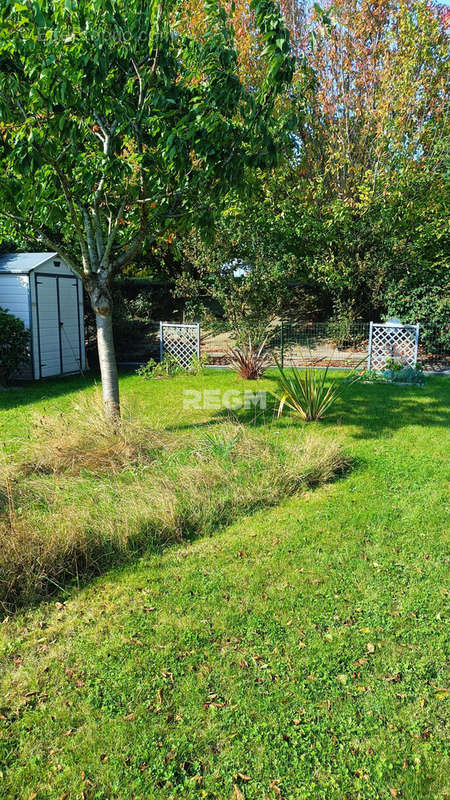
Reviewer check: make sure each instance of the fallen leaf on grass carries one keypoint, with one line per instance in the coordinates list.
(244, 777)
(394, 678)
(237, 793)
(129, 717)
(370, 647)
(393, 791)
(273, 785)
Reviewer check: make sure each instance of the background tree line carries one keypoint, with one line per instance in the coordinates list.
(353, 220)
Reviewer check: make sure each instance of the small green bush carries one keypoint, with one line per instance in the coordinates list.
(167, 368)
(14, 341)
(341, 326)
(393, 365)
(371, 376)
(404, 375)
(170, 366)
(197, 364)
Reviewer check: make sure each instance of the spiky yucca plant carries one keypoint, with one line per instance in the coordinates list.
(305, 391)
(250, 361)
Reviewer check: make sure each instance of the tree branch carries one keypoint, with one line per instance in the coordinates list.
(94, 262)
(111, 236)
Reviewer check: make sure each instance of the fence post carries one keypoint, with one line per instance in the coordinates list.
(198, 340)
(416, 345)
(369, 361)
(282, 345)
(161, 346)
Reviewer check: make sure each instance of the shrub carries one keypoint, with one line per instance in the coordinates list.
(404, 375)
(249, 361)
(341, 327)
(14, 341)
(371, 376)
(393, 365)
(197, 364)
(430, 306)
(167, 368)
(306, 393)
(170, 366)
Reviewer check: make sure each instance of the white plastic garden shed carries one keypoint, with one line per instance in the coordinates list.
(47, 296)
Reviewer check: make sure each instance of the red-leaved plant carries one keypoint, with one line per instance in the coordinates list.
(250, 361)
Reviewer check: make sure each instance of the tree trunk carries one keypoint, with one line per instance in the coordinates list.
(108, 365)
(98, 286)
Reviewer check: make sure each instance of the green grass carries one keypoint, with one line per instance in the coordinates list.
(301, 650)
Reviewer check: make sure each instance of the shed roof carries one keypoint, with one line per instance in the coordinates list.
(23, 262)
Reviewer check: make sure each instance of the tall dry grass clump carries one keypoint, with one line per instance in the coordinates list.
(59, 525)
(83, 439)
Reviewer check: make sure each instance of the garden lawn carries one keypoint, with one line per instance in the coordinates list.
(298, 653)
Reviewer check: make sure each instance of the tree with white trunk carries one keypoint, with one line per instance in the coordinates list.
(117, 123)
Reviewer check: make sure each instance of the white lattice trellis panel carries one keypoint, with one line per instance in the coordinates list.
(181, 341)
(392, 340)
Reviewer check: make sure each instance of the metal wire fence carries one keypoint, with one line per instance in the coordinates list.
(334, 344)
(331, 344)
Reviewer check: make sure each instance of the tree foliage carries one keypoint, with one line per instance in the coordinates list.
(358, 207)
(118, 123)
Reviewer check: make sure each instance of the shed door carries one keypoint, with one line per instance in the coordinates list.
(58, 324)
(70, 324)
